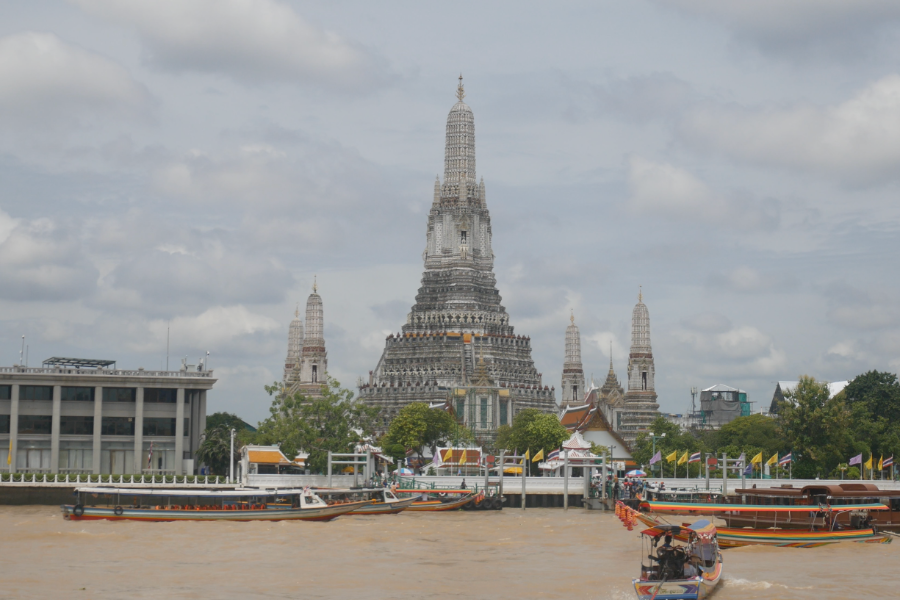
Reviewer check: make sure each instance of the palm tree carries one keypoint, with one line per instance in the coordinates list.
(215, 450)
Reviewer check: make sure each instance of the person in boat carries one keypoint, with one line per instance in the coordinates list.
(667, 544)
(689, 569)
(462, 486)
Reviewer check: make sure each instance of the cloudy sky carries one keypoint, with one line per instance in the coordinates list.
(196, 163)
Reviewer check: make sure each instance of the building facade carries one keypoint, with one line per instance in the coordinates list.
(78, 416)
(457, 319)
(640, 408)
(573, 372)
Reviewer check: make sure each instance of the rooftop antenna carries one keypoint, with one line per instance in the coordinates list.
(26, 355)
(693, 405)
(167, 345)
(22, 352)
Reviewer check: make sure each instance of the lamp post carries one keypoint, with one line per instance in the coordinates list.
(654, 436)
(231, 460)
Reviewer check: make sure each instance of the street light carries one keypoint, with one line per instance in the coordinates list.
(653, 436)
(231, 459)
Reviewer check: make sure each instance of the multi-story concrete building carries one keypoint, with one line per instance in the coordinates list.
(87, 416)
(457, 333)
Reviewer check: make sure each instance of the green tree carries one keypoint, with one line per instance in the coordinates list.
(874, 402)
(215, 449)
(533, 430)
(227, 420)
(814, 426)
(417, 426)
(334, 422)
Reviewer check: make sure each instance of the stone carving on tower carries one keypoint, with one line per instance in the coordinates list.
(611, 396)
(457, 319)
(295, 344)
(313, 358)
(573, 372)
(640, 400)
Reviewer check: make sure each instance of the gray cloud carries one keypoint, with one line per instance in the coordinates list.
(251, 41)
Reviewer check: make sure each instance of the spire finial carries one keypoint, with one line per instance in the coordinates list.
(315, 285)
(297, 311)
(460, 91)
(610, 355)
(572, 316)
(640, 293)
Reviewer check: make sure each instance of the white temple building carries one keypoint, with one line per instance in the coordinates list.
(307, 362)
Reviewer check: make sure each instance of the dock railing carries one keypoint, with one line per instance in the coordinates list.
(86, 480)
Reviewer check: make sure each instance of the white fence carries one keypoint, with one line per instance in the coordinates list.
(67, 480)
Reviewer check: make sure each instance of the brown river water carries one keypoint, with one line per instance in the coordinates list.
(536, 553)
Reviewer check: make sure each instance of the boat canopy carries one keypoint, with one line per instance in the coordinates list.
(704, 507)
(243, 493)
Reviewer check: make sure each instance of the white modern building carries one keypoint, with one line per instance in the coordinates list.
(87, 416)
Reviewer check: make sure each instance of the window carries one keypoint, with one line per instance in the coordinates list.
(460, 409)
(76, 457)
(4, 423)
(575, 392)
(117, 425)
(187, 426)
(484, 412)
(159, 426)
(118, 394)
(5, 392)
(71, 425)
(503, 413)
(160, 395)
(35, 392)
(35, 423)
(462, 237)
(315, 373)
(77, 394)
(644, 380)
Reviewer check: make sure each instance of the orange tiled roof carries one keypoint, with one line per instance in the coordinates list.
(268, 457)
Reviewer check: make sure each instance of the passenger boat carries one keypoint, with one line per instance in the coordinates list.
(671, 572)
(142, 504)
(731, 537)
(385, 503)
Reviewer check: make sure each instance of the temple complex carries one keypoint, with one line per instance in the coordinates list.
(458, 342)
(307, 362)
(573, 373)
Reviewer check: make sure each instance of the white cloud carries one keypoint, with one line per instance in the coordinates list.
(46, 81)
(251, 41)
(216, 328)
(603, 340)
(857, 140)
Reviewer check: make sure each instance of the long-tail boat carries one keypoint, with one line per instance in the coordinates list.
(385, 503)
(441, 504)
(730, 537)
(672, 572)
(142, 504)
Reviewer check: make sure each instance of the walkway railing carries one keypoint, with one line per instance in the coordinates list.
(81, 480)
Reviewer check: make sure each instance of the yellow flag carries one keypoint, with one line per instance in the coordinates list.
(683, 459)
(881, 463)
(539, 455)
(773, 460)
(868, 464)
(462, 458)
(756, 460)
(528, 454)
(672, 457)
(9, 456)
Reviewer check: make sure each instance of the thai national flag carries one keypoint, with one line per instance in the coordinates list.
(553, 455)
(888, 462)
(785, 459)
(695, 457)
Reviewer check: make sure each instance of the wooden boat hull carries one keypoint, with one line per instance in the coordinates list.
(883, 520)
(696, 588)
(439, 506)
(317, 513)
(384, 508)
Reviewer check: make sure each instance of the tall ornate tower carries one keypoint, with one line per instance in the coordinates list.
(313, 358)
(295, 344)
(457, 318)
(573, 373)
(640, 399)
(611, 397)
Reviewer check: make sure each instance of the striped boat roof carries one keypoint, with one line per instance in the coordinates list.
(705, 507)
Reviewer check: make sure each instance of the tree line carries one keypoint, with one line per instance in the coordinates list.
(822, 432)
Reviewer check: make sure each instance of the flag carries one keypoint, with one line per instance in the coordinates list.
(528, 454)
(683, 459)
(539, 455)
(462, 458)
(672, 457)
(150, 457)
(554, 454)
(438, 459)
(756, 460)
(785, 459)
(749, 470)
(656, 457)
(881, 463)
(742, 459)
(695, 457)
(856, 460)
(9, 456)
(773, 460)
(868, 464)
(888, 462)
